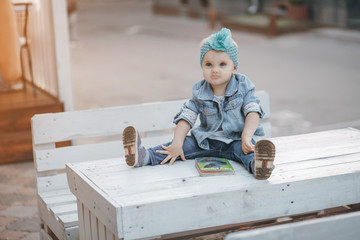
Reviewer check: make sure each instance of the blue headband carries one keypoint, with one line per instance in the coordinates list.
(221, 41)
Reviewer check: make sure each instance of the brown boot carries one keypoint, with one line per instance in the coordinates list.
(134, 152)
(264, 159)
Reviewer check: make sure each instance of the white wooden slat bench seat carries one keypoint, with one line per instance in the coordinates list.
(338, 227)
(95, 134)
(313, 172)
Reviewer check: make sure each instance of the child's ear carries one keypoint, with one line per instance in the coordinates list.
(234, 70)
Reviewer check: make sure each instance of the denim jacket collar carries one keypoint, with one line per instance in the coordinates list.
(206, 92)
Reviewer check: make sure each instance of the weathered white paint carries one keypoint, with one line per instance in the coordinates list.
(345, 226)
(58, 127)
(177, 194)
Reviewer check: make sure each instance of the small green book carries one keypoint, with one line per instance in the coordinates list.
(212, 166)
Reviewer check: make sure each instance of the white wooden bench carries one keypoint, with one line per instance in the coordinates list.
(313, 172)
(95, 134)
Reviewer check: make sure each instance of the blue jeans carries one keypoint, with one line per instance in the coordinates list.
(191, 150)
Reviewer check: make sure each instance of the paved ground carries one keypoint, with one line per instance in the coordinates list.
(126, 55)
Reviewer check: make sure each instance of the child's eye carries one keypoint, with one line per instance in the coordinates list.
(222, 64)
(208, 64)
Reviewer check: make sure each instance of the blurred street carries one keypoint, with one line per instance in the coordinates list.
(127, 55)
(123, 54)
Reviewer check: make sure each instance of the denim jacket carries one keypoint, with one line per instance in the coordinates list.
(239, 101)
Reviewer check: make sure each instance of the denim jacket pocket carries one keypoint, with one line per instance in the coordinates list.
(233, 108)
(208, 114)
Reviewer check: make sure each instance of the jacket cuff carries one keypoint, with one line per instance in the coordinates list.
(187, 115)
(253, 107)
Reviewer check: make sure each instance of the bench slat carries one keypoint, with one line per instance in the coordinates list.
(345, 226)
(316, 145)
(103, 122)
(69, 219)
(58, 127)
(64, 209)
(60, 199)
(57, 192)
(55, 159)
(315, 139)
(52, 183)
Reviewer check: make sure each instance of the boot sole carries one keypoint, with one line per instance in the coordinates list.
(264, 159)
(130, 146)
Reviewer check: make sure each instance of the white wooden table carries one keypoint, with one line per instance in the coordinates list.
(313, 172)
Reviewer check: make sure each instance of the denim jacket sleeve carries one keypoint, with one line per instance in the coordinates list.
(251, 102)
(188, 112)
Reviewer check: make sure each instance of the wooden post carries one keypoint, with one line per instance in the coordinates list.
(62, 52)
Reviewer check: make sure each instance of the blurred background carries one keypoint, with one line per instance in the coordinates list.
(81, 54)
(64, 55)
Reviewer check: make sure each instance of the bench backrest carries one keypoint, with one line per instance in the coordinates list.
(96, 134)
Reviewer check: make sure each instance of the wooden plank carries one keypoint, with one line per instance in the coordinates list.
(94, 227)
(249, 203)
(64, 209)
(72, 233)
(345, 226)
(317, 162)
(87, 224)
(100, 122)
(81, 220)
(51, 183)
(313, 173)
(316, 145)
(56, 227)
(102, 230)
(315, 139)
(44, 235)
(69, 219)
(55, 193)
(55, 159)
(59, 199)
(110, 235)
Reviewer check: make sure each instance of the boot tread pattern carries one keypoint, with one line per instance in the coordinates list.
(264, 158)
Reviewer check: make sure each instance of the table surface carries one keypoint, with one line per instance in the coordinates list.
(151, 193)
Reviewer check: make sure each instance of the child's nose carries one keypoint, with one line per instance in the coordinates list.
(215, 69)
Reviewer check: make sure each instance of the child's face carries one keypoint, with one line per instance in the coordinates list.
(217, 69)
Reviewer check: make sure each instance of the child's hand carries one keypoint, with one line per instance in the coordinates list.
(246, 145)
(172, 152)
